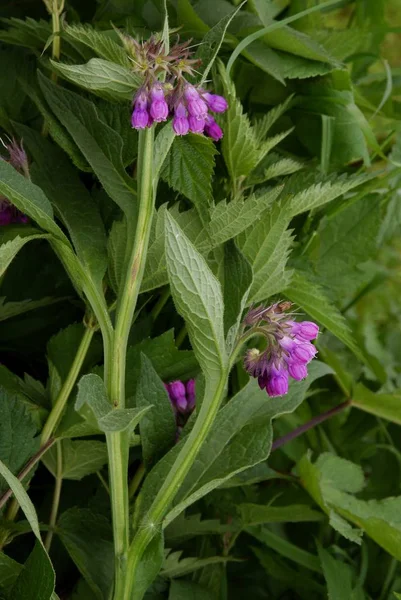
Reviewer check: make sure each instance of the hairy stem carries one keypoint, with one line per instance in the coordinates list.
(118, 443)
(288, 437)
(171, 485)
(56, 496)
(60, 404)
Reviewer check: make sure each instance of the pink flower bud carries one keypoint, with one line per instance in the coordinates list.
(278, 382)
(216, 103)
(158, 105)
(140, 118)
(196, 106)
(297, 370)
(212, 129)
(196, 125)
(180, 121)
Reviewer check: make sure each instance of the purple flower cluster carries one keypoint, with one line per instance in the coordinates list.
(187, 105)
(288, 352)
(17, 158)
(182, 396)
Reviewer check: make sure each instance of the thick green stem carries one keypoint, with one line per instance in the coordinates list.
(118, 443)
(153, 519)
(59, 406)
(56, 496)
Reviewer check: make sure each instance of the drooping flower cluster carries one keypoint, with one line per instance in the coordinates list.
(288, 350)
(18, 159)
(156, 100)
(182, 396)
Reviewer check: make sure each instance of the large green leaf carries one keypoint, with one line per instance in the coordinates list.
(266, 245)
(71, 200)
(9, 571)
(312, 299)
(259, 514)
(386, 406)
(107, 79)
(17, 434)
(197, 295)
(241, 437)
(237, 282)
(157, 427)
(100, 41)
(99, 143)
(26, 587)
(187, 590)
(88, 539)
(227, 220)
(188, 169)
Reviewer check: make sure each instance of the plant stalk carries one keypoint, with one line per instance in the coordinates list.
(118, 442)
(175, 478)
(59, 406)
(56, 496)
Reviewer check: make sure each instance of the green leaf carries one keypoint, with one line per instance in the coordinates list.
(92, 403)
(9, 571)
(36, 580)
(88, 540)
(38, 561)
(162, 146)
(240, 438)
(187, 590)
(266, 245)
(285, 548)
(99, 143)
(385, 406)
(197, 295)
(17, 433)
(263, 125)
(149, 566)
(29, 199)
(71, 200)
(168, 362)
(175, 566)
(116, 248)
(227, 220)
(211, 43)
(271, 167)
(237, 282)
(8, 310)
(321, 193)
(158, 426)
(99, 41)
(188, 526)
(107, 79)
(188, 169)
(10, 249)
(259, 514)
(347, 240)
(240, 146)
(80, 458)
(312, 299)
(338, 576)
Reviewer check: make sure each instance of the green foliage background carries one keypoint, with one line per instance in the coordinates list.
(299, 201)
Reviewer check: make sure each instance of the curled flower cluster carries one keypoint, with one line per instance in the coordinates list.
(17, 158)
(182, 396)
(289, 348)
(188, 106)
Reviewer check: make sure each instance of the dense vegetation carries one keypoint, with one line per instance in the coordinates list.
(149, 273)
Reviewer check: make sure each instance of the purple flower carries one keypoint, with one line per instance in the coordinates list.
(140, 116)
(216, 103)
(212, 129)
(196, 125)
(288, 352)
(196, 106)
(180, 121)
(182, 396)
(158, 105)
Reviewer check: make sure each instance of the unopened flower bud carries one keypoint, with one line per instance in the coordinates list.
(216, 103)
(180, 121)
(212, 129)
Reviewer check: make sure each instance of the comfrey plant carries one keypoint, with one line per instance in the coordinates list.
(201, 262)
(155, 101)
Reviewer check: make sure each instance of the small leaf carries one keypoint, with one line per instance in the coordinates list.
(256, 514)
(158, 426)
(107, 79)
(198, 298)
(237, 282)
(175, 566)
(99, 41)
(187, 590)
(337, 574)
(80, 458)
(386, 406)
